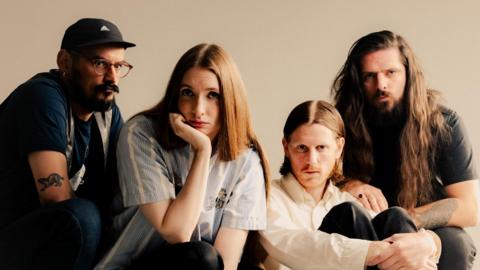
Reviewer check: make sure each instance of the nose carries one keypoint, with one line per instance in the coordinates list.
(382, 82)
(199, 107)
(312, 157)
(111, 75)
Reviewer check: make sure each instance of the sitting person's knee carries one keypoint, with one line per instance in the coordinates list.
(85, 219)
(394, 212)
(84, 211)
(348, 208)
(457, 246)
(205, 255)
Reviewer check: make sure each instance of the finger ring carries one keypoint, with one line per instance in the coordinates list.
(360, 195)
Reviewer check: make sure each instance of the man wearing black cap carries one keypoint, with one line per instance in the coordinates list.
(57, 158)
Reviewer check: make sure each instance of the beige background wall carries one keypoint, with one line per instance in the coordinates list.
(287, 51)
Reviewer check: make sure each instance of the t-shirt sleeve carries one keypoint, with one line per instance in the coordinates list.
(142, 171)
(42, 118)
(456, 161)
(246, 208)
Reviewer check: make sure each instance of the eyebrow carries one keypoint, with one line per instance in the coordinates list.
(210, 88)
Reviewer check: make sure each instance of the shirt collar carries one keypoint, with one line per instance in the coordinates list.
(298, 194)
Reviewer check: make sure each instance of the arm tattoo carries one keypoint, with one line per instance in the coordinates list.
(53, 179)
(438, 215)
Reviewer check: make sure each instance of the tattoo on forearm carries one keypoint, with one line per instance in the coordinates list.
(438, 215)
(53, 179)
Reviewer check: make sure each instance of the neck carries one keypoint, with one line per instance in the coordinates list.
(317, 192)
(80, 112)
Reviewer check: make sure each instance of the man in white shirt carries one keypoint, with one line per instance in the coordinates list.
(306, 208)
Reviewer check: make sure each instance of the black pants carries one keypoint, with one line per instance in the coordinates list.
(61, 236)
(189, 255)
(349, 219)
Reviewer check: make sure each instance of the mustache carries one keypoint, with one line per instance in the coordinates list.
(107, 86)
(312, 168)
(381, 93)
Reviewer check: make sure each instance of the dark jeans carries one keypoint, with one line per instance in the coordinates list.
(64, 235)
(351, 220)
(458, 250)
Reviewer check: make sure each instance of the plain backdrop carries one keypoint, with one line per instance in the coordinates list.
(287, 51)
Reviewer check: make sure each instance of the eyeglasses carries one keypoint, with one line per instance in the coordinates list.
(102, 66)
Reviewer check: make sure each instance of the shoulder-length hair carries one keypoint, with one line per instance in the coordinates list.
(236, 131)
(315, 112)
(424, 126)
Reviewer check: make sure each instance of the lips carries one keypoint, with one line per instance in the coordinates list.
(382, 95)
(311, 170)
(383, 98)
(198, 124)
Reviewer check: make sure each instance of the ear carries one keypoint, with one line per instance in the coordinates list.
(340, 144)
(285, 147)
(64, 61)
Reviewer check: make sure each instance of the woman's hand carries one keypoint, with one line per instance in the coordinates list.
(371, 197)
(195, 138)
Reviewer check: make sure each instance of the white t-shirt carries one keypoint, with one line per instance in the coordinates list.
(234, 198)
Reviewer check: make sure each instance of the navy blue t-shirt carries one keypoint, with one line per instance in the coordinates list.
(35, 117)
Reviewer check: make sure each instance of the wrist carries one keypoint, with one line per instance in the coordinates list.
(203, 148)
(374, 249)
(348, 183)
(203, 152)
(436, 242)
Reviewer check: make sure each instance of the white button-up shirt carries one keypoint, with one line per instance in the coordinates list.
(292, 238)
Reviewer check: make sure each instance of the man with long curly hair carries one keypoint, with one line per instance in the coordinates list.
(403, 147)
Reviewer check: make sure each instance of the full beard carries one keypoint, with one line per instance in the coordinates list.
(382, 117)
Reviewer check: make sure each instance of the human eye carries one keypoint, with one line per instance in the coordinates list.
(213, 95)
(368, 77)
(186, 92)
(120, 65)
(100, 63)
(322, 147)
(391, 72)
(301, 148)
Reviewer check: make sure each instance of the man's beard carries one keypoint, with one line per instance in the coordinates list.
(381, 117)
(91, 103)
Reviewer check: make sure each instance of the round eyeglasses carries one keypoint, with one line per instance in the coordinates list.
(102, 66)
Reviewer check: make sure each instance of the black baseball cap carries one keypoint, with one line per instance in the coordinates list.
(91, 31)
